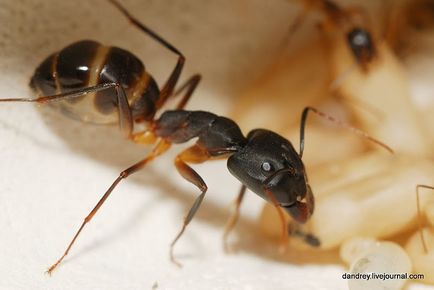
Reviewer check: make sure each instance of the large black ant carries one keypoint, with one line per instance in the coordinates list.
(117, 85)
(358, 36)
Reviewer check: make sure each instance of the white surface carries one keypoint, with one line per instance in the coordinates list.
(54, 170)
(51, 180)
(47, 189)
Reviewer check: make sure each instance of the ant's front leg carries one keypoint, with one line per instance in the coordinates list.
(284, 238)
(230, 224)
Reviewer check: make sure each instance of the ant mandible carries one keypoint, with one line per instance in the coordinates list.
(120, 88)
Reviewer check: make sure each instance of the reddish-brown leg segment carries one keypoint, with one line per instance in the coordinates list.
(159, 149)
(230, 224)
(195, 154)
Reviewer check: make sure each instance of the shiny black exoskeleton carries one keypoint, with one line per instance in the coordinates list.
(106, 84)
(264, 162)
(268, 163)
(86, 64)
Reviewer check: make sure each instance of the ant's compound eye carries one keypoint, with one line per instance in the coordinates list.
(267, 167)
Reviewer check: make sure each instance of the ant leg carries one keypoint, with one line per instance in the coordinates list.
(284, 237)
(190, 86)
(339, 123)
(146, 137)
(125, 119)
(300, 213)
(159, 149)
(195, 154)
(230, 224)
(419, 214)
(169, 86)
(308, 238)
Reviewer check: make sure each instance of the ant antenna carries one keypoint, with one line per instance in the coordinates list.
(338, 122)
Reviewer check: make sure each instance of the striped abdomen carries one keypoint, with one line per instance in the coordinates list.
(88, 63)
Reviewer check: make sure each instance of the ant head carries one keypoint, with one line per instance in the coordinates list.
(361, 44)
(269, 166)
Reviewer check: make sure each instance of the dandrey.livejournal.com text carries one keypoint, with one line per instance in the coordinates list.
(383, 276)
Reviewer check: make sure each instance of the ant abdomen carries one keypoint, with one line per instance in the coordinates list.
(88, 63)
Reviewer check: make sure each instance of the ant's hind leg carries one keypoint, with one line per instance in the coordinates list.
(195, 154)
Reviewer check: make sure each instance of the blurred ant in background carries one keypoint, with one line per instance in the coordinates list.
(357, 33)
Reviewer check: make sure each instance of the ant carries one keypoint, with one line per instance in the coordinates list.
(358, 37)
(118, 87)
(419, 213)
